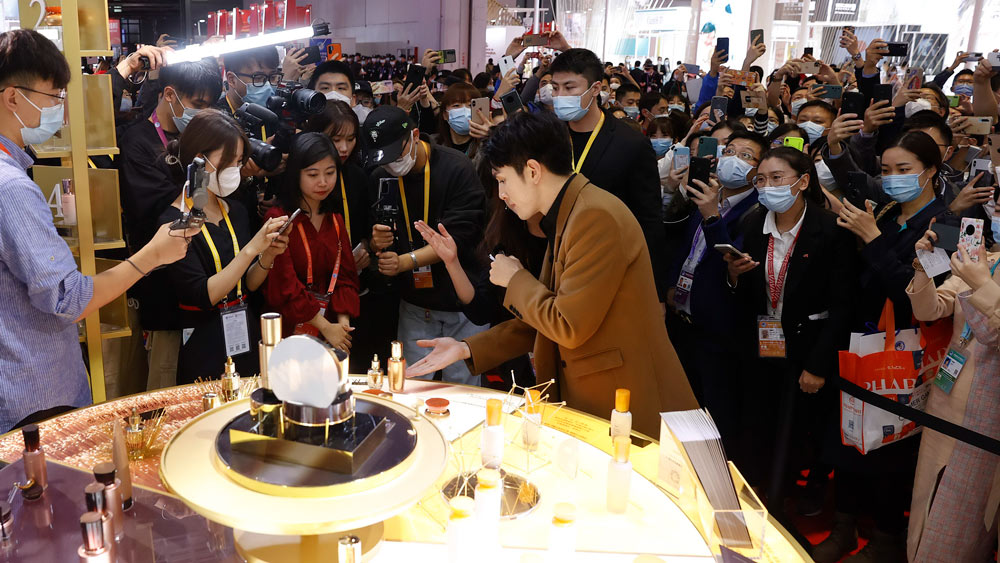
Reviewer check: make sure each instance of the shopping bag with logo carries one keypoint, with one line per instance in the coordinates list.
(900, 367)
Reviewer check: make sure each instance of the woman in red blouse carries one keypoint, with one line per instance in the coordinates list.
(314, 285)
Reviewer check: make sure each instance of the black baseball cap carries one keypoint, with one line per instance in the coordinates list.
(383, 133)
(363, 86)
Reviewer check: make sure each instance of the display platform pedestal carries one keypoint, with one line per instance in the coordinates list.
(264, 548)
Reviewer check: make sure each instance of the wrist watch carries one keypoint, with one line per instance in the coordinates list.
(709, 220)
(856, 56)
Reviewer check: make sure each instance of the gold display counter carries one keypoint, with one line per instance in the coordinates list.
(656, 523)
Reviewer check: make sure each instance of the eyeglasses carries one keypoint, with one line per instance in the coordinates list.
(61, 96)
(261, 78)
(762, 181)
(743, 155)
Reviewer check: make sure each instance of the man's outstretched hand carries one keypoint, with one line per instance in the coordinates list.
(446, 352)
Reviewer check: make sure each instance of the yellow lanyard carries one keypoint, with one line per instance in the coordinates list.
(578, 165)
(347, 214)
(215, 251)
(427, 194)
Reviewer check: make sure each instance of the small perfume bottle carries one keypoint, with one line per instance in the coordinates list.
(492, 440)
(396, 368)
(619, 476)
(461, 534)
(531, 427)
(34, 456)
(489, 493)
(68, 203)
(230, 382)
(104, 473)
(93, 495)
(621, 419)
(375, 375)
(562, 534)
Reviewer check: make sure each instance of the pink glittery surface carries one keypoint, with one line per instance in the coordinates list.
(80, 438)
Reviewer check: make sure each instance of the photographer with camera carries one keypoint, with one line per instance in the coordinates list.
(439, 186)
(44, 296)
(147, 190)
(227, 261)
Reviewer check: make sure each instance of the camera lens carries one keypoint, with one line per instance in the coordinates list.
(265, 155)
(309, 102)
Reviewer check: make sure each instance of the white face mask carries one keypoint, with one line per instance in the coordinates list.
(914, 106)
(336, 96)
(402, 165)
(545, 94)
(224, 182)
(614, 85)
(362, 112)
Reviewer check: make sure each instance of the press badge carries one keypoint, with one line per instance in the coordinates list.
(770, 337)
(235, 330)
(948, 372)
(422, 278)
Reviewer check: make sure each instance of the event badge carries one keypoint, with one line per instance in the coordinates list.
(422, 278)
(770, 337)
(950, 368)
(235, 330)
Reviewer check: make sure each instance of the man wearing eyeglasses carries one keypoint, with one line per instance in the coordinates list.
(701, 316)
(43, 294)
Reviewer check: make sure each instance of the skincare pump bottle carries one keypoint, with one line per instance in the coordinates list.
(105, 474)
(122, 441)
(531, 427)
(489, 493)
(396, 368)
(68, 202)
(375, 375)
(619, 476)
(93, 495)
(34, 456)
(94, 548)
(461, 534)
(492, 440)
(562, 534)
(230, 382)
(621, 419)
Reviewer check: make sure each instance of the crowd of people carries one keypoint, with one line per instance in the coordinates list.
(435, 210)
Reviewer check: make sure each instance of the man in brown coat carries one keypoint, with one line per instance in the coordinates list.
(593, 319)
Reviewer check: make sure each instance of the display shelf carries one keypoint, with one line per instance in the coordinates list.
(97, 53)
(99, 112)
(93, 20)
(105, 204)
(114, 315)
(65, 153)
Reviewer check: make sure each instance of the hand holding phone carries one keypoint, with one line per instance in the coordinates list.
(288, 223)
(970, 237)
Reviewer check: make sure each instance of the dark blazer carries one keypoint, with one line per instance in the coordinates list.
(591, 317)
(820, 287)
(622, 161)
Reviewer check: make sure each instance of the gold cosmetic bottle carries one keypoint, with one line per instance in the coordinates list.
(230, 382)
(375, 375)
(94, 548)
(396, 368)
(34, 456)
(93, 494)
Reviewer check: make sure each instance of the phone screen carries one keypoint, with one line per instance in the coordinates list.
(722, 44)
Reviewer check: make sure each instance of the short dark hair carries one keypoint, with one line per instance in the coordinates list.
(753, 137)
(26, 56)
(307, 149)
(240, 60)
(942, 98)
(626, 88)
(733, 124)
(198, 78)
(462, 73)
(929, 119)
(662, 125)
(208, 131)
(961, 73)
(481, 80)
(579, 61)
(819, 104)
(523, 136)
(650, 99)
(785, 129)
(331, 67)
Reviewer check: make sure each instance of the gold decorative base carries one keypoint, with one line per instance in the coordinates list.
(264, 548)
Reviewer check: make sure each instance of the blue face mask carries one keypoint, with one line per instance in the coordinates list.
(676, 107)
(258, 94)
(778, 198)
(569, 108)
(797, 105)
(181, 122)
(962, 90)
(49, 122)
(733, 172)
(632, 112)
(902, 187)
(661, 146)
(771, 126)
(458, 120)
(814, 130)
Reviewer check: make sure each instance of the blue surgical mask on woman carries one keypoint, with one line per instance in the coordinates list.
(569, 108)
(778, 198)
(771, 126)
(814, 130)
(962, 90)
(458, 120)
(902, 187)
(661, 146)
(733, 172)
(676, 107)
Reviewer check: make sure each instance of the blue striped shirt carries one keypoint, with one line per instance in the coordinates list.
(41, 295)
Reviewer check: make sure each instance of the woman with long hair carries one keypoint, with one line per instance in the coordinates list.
(226, 261)
(315, 284)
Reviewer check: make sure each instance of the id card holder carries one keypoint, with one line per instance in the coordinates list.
(770, 337)
(236, 330)
(422, 278)
(950, 368)
(306, 328)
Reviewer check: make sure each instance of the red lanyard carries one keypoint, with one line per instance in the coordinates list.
(159, 129)
(4, 149)
(774, 286)
(309, 259)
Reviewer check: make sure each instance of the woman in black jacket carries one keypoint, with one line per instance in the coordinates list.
(796, 281)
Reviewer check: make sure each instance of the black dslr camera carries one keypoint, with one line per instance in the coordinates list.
(194, 189)
(386, 209)
(253, 119)
(293, 104)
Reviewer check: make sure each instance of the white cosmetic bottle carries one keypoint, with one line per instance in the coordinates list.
(461, 534)
(619, 476)
(492, 440)
(531, 427)
(621, 418)
(489, 493)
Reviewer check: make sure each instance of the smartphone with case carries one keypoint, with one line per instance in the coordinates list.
(973, 58)
(720, 108)
(854, 102)
(535, 40)
(312, 55)
(809, 67)
(730, 250)
(511, 102)
(898, 49)
(994, 59)
(700, 169)
(857, 184)
(953, 101)
(979, 125)
(480, 105)
(692, 68)
(682, 157)
(415, 76)
(446, 56)
(794, 142)
(985, 166)
(882, 92)
(970, 236)
(756, 36)
(832, 92)
(722, 44)
(707, 147)
(506, 63)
